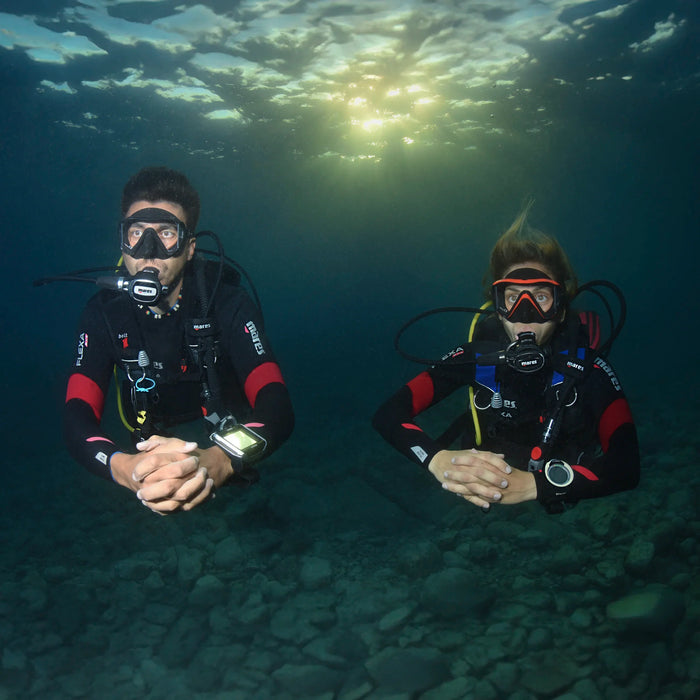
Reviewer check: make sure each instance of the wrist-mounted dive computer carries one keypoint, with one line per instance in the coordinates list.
(558, 472)
(237, 440)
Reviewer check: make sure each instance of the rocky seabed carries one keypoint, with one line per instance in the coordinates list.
(340, 586)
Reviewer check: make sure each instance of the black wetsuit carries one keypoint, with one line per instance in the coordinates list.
(114, 328)
(597, 435)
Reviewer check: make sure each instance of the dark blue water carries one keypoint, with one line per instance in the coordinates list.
(370, 159)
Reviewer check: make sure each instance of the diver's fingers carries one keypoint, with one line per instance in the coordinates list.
(477, 493)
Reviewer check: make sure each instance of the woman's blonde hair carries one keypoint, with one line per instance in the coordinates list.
(522, 243)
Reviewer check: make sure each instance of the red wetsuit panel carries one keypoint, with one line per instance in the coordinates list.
(260, 377)
(422, 393)
(584, 472)
(85, 389)
(616, 414)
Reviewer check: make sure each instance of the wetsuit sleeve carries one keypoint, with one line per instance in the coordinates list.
(617, 468)
(85, 395)
(271, 414)
(394, 420)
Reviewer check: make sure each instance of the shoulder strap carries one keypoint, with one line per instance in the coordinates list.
(202, 336)
(570, 365)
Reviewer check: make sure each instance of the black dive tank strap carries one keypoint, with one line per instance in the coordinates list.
(571, 366)
(203, 342)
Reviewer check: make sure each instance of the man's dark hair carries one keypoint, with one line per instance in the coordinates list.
(158, 183)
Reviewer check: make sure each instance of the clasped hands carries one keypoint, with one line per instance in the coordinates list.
(169, 474)
(482, 477)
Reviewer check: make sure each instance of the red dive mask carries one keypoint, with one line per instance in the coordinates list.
(527, 295)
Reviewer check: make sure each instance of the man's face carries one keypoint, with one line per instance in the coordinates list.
(542, 295)
(169, 269)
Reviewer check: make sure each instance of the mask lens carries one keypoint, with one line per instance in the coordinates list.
(167, 233)
(542, 298)
(153, 233)
(527, 296)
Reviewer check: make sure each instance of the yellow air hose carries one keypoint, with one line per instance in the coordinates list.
(472, 406)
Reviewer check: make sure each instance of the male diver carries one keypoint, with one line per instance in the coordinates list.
(190, 341)
(547, 418)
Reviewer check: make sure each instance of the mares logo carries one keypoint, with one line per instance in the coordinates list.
(251, 329)
(609, 371)
(82, 344)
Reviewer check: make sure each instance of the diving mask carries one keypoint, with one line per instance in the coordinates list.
(152, 233)
(539, 302)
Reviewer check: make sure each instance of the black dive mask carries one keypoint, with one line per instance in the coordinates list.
(165, 238)
(539, 303)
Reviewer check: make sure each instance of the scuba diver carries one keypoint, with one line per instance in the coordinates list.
(547, 418)
(190, 342)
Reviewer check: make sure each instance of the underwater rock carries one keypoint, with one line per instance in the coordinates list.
(208, 592)
(504, 530)
(533, 540)
(13, 660)
(456, 689)
(190, 562)
(408, 670)
(581, 619)
(356, 686)
(154, 581)
(304, 681)
(183, 641)
(484, 690)
(419, 558)
(447, 640)
(229, 553)
(292, 624)
(586, 688)
(251, 611)
(504, 677)
(550, 678)
(609, 572)
(153, 672)
(659, 664)
(395, 618)
(483, 550)
(137, 567)
(74, 685)
(567, 559)
(207, 668)
(539, 638)
(656, 609)
(260, 660)
(262, 541)
(338, 649)
(640, 556)
(621, 664)
(455, 592)
(317, 607)
(315, 572)
(603, 519)
(34, 597)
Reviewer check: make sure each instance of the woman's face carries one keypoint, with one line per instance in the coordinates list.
(543, 331)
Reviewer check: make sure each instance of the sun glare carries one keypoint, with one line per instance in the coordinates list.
(385, 111)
